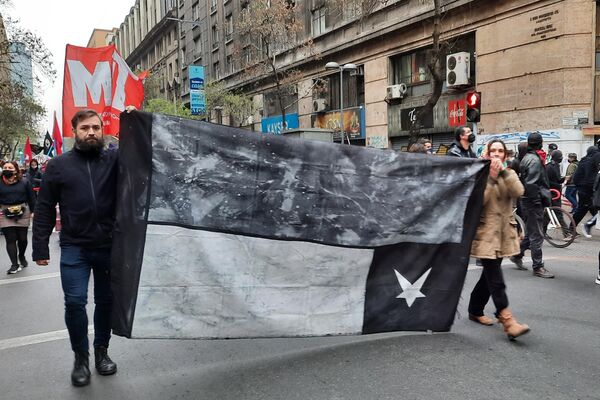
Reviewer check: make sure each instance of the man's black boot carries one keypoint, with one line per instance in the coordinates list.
(104, 365)
(81, 369)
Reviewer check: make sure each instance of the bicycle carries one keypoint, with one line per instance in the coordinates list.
(558, 225)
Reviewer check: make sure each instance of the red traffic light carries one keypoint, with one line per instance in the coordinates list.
(473, 106)
(473, 99)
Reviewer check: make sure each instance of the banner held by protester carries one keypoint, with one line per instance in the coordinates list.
(226, 233)
(99, 79)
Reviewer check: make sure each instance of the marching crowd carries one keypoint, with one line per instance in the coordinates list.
(526, 181)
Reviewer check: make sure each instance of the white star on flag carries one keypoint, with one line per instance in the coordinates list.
(411, 291)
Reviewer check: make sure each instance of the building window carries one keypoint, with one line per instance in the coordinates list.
(229, 64)
(215, 37)
(216, 70)
(246, 55)
(228, 28)
(198, 47)
(351, 10)
(213, 6)
(196, 11)
(329, 89)
(411, 68)
(318, 17)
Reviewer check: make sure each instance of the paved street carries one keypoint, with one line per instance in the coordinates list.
(559, 359)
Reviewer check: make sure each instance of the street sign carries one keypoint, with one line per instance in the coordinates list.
(570, 121)
(408, 118)
(457, 113)
(197, 95)
(581, 114)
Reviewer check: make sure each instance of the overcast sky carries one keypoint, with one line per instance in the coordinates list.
(62, 22)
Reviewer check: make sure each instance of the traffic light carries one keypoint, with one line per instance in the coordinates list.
(473, 106)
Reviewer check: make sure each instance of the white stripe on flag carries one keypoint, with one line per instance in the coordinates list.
(198, 284)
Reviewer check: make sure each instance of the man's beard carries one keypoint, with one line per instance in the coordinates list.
(90, 146)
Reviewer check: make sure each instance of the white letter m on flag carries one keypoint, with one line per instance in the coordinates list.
(82, 82)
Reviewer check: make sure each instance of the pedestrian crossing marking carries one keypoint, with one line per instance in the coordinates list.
(29, 278)
(21, 341)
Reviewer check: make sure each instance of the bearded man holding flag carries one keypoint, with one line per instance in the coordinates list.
(87, 214)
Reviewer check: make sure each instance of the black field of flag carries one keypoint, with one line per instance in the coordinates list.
(227, 233)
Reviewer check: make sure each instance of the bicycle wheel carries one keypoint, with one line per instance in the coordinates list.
(559, 227)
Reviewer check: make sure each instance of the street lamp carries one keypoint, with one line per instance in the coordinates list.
(332, 65)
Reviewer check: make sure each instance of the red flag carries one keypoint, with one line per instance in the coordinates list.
(56, 136)
(98, 78)
(27, 151)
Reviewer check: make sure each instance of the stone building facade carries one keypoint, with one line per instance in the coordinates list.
(101, 37)
(149, 39)
(533, 61)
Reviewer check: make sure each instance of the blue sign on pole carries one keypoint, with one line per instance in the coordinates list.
(274, 125)
(197, 95)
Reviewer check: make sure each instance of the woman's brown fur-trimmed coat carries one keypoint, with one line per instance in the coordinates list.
(497, 231)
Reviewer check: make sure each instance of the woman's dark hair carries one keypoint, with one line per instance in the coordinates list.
(17, 169)
(459, 131)
(84, 114)
(522, 149)
(491, 142)
(34, 161)
(417, 148)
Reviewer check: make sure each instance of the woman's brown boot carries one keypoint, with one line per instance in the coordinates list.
(512, 328)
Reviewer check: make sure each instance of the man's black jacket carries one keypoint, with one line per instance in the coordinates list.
(457, 150)
(585, 174)
(84, 186)
(554, 178)
(533, 175)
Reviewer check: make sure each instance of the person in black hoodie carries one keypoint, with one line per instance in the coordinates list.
(16, 205)
(555, 180)
(83, 182)
(554, 177)
(583, 179)
(537, 195)
(34, 175)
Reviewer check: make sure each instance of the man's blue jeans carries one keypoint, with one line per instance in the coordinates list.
(571, 195)
(76, 263)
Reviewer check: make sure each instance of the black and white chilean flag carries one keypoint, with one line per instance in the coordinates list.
(226, 233)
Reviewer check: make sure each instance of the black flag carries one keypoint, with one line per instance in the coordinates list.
(48, 145)
(225, 233)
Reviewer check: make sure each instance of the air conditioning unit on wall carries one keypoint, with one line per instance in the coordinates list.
(320, 105)
(396, 91)
(458, 69)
